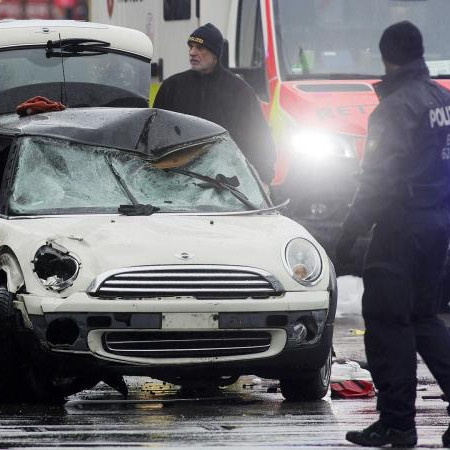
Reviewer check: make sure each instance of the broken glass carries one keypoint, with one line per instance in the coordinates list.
(54, 176)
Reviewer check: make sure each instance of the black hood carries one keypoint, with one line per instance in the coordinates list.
(153, 133)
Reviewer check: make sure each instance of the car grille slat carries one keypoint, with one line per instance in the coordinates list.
(184, 275)
(185, 291)
(177, 341)
(186, 283)
(179, 344)
(253, 349)
(202, 282)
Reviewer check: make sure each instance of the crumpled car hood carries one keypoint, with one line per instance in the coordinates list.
(104, 243)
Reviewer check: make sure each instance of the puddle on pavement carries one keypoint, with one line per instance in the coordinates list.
(155, 395)
(152, 395)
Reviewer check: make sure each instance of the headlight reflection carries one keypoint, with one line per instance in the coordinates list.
(318, 144)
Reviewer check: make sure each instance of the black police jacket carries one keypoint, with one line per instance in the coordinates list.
(406, 164)
(224, 98)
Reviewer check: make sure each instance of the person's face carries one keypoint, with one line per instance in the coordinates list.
(201, 59)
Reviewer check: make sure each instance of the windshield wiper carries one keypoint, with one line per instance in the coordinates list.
(221, 183)
(136, 209)
(66, 48)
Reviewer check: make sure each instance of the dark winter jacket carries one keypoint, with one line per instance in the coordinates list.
(406, 164)
(223, 98)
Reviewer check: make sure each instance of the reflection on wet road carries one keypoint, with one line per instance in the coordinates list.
(250, 413)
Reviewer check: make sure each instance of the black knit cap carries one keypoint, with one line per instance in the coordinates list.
(209, 36)
(401, 43)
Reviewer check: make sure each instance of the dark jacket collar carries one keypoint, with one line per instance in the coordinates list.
(416, 69)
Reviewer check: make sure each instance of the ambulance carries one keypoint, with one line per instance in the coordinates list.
(313, 64)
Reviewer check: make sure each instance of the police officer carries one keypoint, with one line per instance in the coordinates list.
(404, 191)
(213, 93)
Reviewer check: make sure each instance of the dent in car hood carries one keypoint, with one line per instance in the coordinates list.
(153, 133)
(104, 243)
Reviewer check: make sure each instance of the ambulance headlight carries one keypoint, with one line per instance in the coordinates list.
(320, 144)
(303, 261)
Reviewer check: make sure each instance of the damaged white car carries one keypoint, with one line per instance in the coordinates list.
(140, 242)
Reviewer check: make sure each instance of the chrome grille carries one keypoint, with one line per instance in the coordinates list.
(202, 282)
(182, 344)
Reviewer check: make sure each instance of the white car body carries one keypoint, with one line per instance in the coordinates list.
(183, 290)
(160, 241)
(138, 241)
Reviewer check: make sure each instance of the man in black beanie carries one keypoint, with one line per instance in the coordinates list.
(212, 92)
(404, 191)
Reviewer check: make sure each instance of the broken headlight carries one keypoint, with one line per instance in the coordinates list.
(56, 267)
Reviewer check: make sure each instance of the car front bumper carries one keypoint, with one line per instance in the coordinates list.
(183, 337)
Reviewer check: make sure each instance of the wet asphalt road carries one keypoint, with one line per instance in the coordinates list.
(249, 414)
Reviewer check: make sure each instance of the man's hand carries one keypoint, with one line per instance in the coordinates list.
(344, 248)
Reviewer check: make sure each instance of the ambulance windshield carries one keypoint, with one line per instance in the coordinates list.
(340, 37)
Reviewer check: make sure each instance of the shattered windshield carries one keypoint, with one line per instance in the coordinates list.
(31, 66)
(54, 176)
(340, 37)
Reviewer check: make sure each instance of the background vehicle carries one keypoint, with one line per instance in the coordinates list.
(77, 63)
(43, 9)
(313, 64)
(140, 242)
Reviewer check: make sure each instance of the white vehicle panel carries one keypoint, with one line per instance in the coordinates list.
(38, 32)
(99, 242)
(80, 302)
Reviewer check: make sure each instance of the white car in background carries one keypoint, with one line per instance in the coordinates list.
(77, 63)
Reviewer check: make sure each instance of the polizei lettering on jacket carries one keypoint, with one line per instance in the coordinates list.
(440, 116)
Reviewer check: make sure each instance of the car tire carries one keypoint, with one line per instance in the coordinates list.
(28, 383)
(308, 387)
(7, 334)
(6, 304)
(20, 379)
(43, 388)
(10, 354)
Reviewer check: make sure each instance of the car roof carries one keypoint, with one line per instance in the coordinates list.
(154, 133)
(20, 33)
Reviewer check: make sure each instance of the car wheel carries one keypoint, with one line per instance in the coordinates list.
(7, 345)
(6, 304)
(44, 388)
(13, 374)
(24, 382)
(20, 379)
(308, 387)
